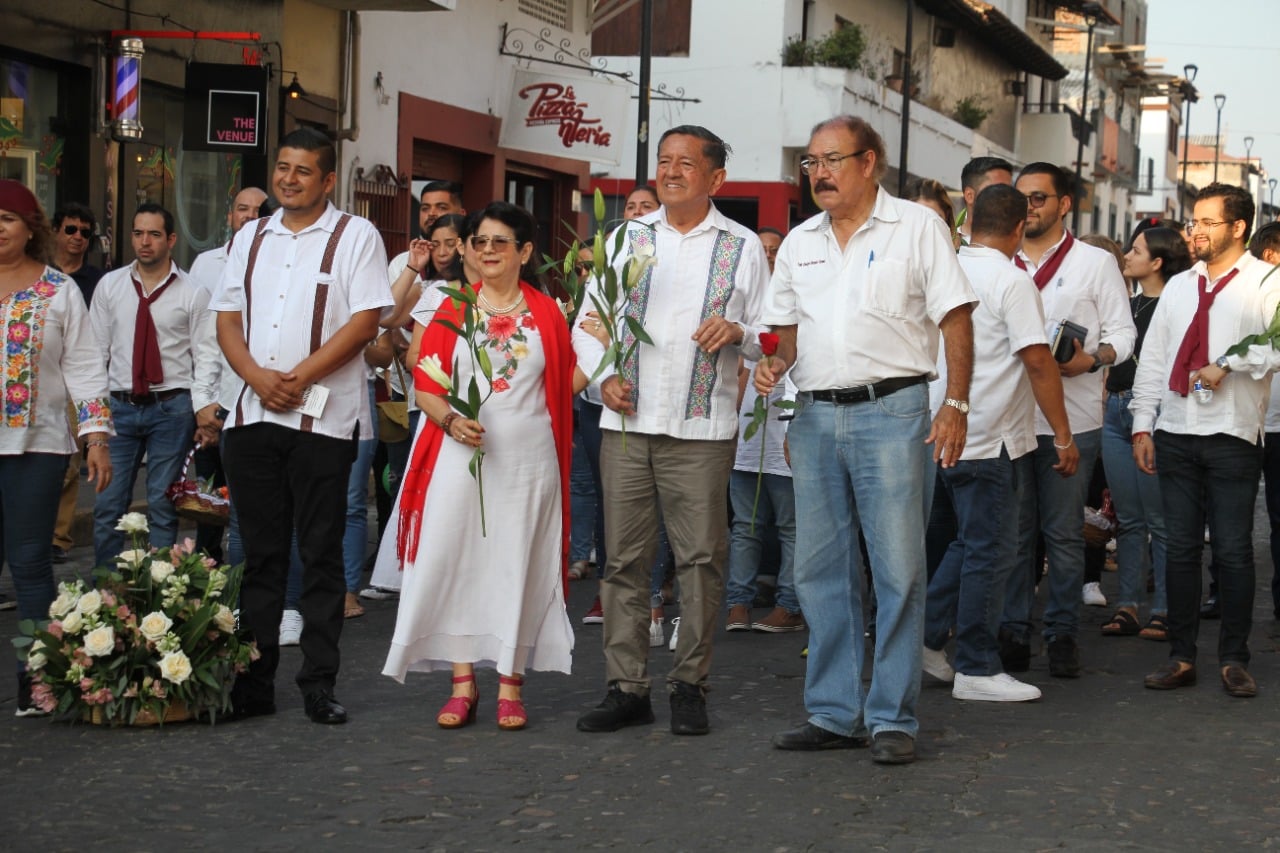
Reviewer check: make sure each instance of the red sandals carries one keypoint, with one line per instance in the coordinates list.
(511, 713)
(462, 709)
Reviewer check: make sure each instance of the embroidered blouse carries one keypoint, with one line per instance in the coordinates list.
(51, 358)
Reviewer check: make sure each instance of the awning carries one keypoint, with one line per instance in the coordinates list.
(1003, 36)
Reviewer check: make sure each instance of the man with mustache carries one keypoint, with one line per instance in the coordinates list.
(858, 296)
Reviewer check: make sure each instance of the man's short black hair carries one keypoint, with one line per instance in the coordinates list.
(1061, 181)
(74, 210)
(453, 188)
(310, 139)
(714, 148)
(152, 207)
(1268, 237)
(768, 230)
(997, 210)
(973, 172)
(1237, 204)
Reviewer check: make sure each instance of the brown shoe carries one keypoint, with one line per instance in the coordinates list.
(1237, 681)
(1173, 674)
(779, 621)
(739, 618)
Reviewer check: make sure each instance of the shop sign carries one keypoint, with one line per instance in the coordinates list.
(579, 117)
(225, 109)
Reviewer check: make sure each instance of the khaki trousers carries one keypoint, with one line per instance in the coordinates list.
(70, 489)
(689, 480)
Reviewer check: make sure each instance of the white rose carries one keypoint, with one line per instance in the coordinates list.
(155, 625)
(100, 642)
(73, 622)
(175, 667)
(132, 557)
(90, 603)
(62, 605)
(35, 661)
(133, 522)
(160, 570)
(224, 619)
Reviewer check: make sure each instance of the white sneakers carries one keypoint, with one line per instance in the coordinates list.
(377, 593)
(656, 637)
(675, 632)
(290, 628)
(1092, 595)
(993, 688)
(935, 663)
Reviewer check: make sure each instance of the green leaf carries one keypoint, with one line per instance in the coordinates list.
(451, 327)
(464, 295)
(486, 366)
(610, 358)
(751, 430)
(473, 398)
(638, 330)
(785, 404)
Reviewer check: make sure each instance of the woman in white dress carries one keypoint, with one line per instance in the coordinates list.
(494, 598)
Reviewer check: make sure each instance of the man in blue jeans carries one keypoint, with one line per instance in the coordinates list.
(1013, 370)
(1207, 446)
(157, 338)
(864, 288)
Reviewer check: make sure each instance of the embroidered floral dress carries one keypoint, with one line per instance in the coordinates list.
(493, 600)
(50, 359)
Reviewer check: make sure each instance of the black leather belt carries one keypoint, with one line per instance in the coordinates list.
(150, 398)
(866, 393)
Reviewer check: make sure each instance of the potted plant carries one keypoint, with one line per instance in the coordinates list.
(970, 112)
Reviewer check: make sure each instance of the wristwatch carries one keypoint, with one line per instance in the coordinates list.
(1222, 364)
(1097, 364)
(962, 405)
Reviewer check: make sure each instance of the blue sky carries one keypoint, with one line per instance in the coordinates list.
(1236, 45)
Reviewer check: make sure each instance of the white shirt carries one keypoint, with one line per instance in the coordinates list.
(184, 331)
(871, 311)
(1272, 423)
(677, 290)
(52, 349)
(279, 322)
(773, 436)
(1245, 307)
(1088, 290)
(1008, 319)
(206, 271)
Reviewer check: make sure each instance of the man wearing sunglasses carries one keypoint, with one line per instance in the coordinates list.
(858, 296)
(1208, 452)
(73, 229)
(1080, 284)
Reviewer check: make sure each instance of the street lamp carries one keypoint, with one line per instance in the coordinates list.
(1271, 202)
(1188, 95)
(1218, 101)
(1091, 11)
(1248, 179)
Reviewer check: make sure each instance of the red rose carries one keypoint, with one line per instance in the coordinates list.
(501, 328)
(768, 343)
(500, 385)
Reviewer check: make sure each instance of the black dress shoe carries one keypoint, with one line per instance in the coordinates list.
(1170, 676)
(321, 707)
(618, 709)
(59, 554)
(1211, 609)
(1237, 681)
(1064, 657)
(243, 709)
(1015, 656)
(688, 709)
(893, 747)
(811, 738)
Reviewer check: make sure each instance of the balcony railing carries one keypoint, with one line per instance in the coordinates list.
(1076, 121)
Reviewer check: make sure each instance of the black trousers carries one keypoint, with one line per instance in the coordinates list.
(282, 479)
(208, 463)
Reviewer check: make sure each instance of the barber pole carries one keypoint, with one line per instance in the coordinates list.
(126, 102)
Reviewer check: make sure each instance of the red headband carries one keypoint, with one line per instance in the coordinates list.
(16, 198)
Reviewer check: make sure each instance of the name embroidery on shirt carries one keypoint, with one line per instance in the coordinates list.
(811, 263)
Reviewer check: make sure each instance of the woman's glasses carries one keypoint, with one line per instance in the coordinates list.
(500, 243)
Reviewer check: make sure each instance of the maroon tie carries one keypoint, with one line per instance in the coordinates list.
(148, 370)
(1193, 352)
(1045, 274)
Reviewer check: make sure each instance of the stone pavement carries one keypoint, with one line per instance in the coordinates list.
(1098, 763)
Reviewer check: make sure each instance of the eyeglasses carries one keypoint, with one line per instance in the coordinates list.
(500, 243)
(831, 162)
(1037, 200)
(1204, 224)
(448, 243)
(69, 230)
(583, 267)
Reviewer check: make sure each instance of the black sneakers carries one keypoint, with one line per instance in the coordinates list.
(1064, 657)
(1014, 656)
(688, 709)
(618, 709)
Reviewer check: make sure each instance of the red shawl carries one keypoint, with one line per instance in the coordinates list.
(439, 340)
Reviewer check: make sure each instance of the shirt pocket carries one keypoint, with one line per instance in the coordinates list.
(886, 286)
(323, 311)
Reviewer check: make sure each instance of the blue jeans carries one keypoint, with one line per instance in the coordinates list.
(356, 537)
(589, 430)
(163, 432)
(30, 486)
(861, 464)
(967, 589)
(1053, 505)
(582, 501)
(1211, 478)
(777, 508)
(1139, 510)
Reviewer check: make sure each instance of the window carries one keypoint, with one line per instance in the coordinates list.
(557, 13)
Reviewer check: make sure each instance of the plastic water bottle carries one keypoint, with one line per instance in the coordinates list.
(1203, 393)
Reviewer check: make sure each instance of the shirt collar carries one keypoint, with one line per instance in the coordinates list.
(1245, 261)
(886, 209)
(714, 219)
(1047, 255)
(173, 270)
(969, 250)
(327, 222)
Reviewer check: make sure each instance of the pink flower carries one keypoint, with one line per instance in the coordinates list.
(501, 328)
(17, 394)
(500, 385)
(19, 332)
(86, 685)
(108, 598)
(526, 322)
(43, 288)
(122, 612)
(55, 628)
(42, 697)
(210, 563)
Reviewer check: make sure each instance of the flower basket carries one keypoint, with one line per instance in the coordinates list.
(197, 499)
(152, 640)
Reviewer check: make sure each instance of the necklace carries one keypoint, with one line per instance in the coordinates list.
(489, 306)
(1140, 305)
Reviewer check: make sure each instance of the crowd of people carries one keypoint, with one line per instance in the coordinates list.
(916, 407)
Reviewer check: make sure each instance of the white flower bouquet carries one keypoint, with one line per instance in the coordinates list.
(155, 639)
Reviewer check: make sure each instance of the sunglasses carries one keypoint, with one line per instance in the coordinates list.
(1038, 199)
(500, 243)
(69, 230)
